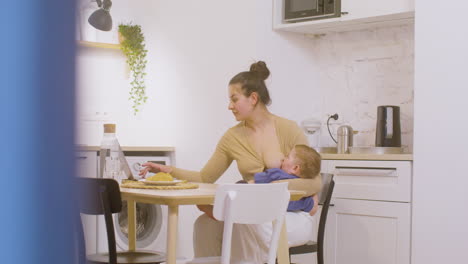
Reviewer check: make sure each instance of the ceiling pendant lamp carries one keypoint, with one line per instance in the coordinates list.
(101, 18)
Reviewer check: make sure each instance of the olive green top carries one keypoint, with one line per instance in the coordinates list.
(234, 145)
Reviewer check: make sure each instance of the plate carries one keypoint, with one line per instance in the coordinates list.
(174, 182)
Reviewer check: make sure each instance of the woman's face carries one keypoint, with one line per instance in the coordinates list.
(239, 104)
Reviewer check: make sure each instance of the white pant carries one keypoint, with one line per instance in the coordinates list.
(249, 242)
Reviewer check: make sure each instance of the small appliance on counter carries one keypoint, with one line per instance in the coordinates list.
(312, 127)
(345, 139)
(388, 131)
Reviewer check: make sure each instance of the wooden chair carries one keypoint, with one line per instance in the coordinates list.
(102, 197)
(249, 204)
(324, 199)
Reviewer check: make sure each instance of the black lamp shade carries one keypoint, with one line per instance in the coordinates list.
(101, 19)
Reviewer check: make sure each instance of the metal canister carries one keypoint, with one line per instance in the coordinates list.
(345, 139)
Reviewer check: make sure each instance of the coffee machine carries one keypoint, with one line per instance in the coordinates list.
(388, 131)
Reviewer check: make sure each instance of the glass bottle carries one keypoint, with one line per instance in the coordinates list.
(110, 166)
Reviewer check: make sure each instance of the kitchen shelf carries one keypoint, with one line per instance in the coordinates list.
(129, 148)
(98, 45)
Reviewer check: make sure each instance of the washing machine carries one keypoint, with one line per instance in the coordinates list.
(151, 219)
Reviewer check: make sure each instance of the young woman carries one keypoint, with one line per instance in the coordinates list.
(258, 142)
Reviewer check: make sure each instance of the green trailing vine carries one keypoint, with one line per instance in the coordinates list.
(133, 47)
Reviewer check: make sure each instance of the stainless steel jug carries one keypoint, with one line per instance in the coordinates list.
(345, 139)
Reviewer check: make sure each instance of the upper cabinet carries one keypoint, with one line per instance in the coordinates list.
(355, 15)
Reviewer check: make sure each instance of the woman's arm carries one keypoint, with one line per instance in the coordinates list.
(310, 186)
(214, 168)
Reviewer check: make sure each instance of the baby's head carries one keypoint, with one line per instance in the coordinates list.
(302, 161)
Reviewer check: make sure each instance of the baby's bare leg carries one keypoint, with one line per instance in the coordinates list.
(315, 208)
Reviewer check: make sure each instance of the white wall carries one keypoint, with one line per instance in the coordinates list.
(440, 214)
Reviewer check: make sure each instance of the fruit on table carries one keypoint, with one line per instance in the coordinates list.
(160, 176)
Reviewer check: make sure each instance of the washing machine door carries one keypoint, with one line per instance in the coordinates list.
(148, 225)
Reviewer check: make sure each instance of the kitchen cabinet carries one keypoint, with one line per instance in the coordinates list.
(368, 232)
(370, 220)
(86, 164)
(367, 9)
(356, 15)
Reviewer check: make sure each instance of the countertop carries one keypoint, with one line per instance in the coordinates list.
(328, 156)
(129, 148)
(325, 156)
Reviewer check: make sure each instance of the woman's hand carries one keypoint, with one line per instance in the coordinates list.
(154, 167)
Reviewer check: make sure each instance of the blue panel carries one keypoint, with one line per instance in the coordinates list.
(37, 130)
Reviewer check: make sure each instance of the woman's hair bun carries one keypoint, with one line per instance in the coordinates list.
(260, 69)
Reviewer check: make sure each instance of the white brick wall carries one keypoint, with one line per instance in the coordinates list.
(361, 70)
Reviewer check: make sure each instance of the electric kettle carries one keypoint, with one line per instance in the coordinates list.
(388, 131)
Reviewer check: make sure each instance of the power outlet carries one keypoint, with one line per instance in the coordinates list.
(332, 125)
(334, 116)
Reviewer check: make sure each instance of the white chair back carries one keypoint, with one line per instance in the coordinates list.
(251, 204)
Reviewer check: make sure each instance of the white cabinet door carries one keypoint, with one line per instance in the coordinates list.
(367, 232)
(324, 166)
(372, 180)
(358, 9)
(86, 164)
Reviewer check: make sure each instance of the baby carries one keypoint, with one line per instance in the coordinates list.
(301, 162)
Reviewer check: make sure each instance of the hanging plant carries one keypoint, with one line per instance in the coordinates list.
(132, 44)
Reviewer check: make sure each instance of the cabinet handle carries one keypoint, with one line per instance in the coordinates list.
(82, 158)
(365, 171)
(344, 13)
